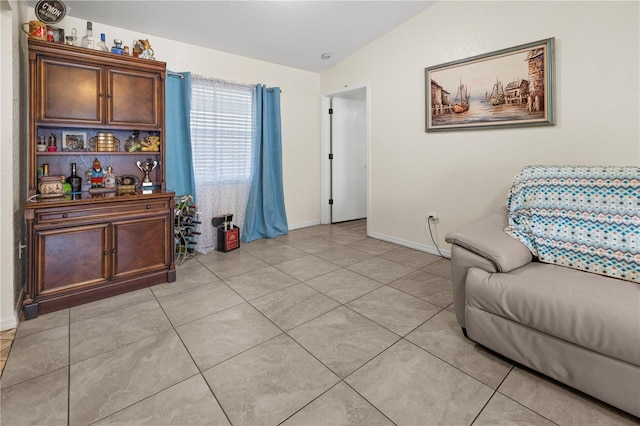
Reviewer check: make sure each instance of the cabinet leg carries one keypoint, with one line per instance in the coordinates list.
(30, 311)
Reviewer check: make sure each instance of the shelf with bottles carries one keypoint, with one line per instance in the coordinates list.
(78, 141)
(122, 166)
(90, 41)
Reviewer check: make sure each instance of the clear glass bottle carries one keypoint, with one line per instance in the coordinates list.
(71, 39)
(89, 41)
(102, 44)
(74, 180)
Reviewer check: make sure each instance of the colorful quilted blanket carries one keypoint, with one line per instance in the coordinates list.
(581, 217)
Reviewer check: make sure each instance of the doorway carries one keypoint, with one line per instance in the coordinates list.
(345, 155)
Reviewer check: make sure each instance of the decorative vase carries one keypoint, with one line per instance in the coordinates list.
(51, 186)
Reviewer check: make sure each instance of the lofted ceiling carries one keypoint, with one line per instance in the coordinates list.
(291, 33)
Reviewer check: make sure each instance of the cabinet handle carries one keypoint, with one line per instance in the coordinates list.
(64, 215)
(101, 94)
(113, 251)
(106, 252)
(109, 95)
(148, 206)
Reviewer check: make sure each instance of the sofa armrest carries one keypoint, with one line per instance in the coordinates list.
(483, 244)
(486, 238)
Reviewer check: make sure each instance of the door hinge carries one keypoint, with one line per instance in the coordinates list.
(330, 201)
(330, 110)
(330, 156)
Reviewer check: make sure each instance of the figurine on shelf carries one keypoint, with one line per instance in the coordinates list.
(96, 174)
(109, 180)
(147, 51)
(151, 143)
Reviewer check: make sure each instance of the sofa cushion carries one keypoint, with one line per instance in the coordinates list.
(592, 311)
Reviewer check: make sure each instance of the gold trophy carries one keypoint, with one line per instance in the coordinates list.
(146, 168)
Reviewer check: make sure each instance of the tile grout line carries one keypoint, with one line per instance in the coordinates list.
(286, 332)
(192, 360)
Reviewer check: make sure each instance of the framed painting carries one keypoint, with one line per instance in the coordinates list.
(74, 141)
(506, 88)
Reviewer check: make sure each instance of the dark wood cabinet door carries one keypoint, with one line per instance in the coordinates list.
(140, 245)
(133, 98)
(71, 258)
(70, 93)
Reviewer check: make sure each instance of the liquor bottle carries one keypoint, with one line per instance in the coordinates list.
(102, 44)
(117, 47)
(74, 180)
(89, 41)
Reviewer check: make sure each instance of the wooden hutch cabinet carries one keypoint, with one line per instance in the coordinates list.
(86, 246)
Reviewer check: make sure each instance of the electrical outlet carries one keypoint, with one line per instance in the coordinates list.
(433, 216)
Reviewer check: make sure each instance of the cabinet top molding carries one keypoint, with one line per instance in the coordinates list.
(38, 47)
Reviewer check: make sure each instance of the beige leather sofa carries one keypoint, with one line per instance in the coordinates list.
(579, 328)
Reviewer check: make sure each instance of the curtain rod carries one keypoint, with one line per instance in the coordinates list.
(271, 89)
(220, 80)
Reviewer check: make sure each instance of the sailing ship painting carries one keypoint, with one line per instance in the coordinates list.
(484, 98)
(497, 93)
(461, 101)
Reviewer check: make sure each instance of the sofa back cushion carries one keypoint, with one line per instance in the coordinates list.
(582, 217)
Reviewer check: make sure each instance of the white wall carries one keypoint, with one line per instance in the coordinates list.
(299, 106)
(461, 175)
(7, 317)
(10, 179)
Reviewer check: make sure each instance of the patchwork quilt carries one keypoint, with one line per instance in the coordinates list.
(581, 217)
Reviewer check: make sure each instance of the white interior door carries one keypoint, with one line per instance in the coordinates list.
(349, 164)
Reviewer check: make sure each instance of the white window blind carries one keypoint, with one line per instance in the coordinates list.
(221, 130)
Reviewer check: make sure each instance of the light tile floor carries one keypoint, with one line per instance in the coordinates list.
(322, 326)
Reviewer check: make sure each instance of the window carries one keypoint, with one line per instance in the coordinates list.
(222, 125)
(221, 130)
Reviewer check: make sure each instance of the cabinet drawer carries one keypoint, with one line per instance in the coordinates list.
(100, 212)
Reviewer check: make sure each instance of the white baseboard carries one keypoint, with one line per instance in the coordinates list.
(410, 244)
(304, 225)
(9, 320)
(405, 243)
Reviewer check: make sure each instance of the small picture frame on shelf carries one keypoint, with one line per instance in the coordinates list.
(74, 141)
(57, 33)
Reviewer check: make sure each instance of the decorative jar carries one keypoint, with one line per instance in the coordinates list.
(51, 186)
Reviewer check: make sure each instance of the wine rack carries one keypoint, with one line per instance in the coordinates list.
(186, 228)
